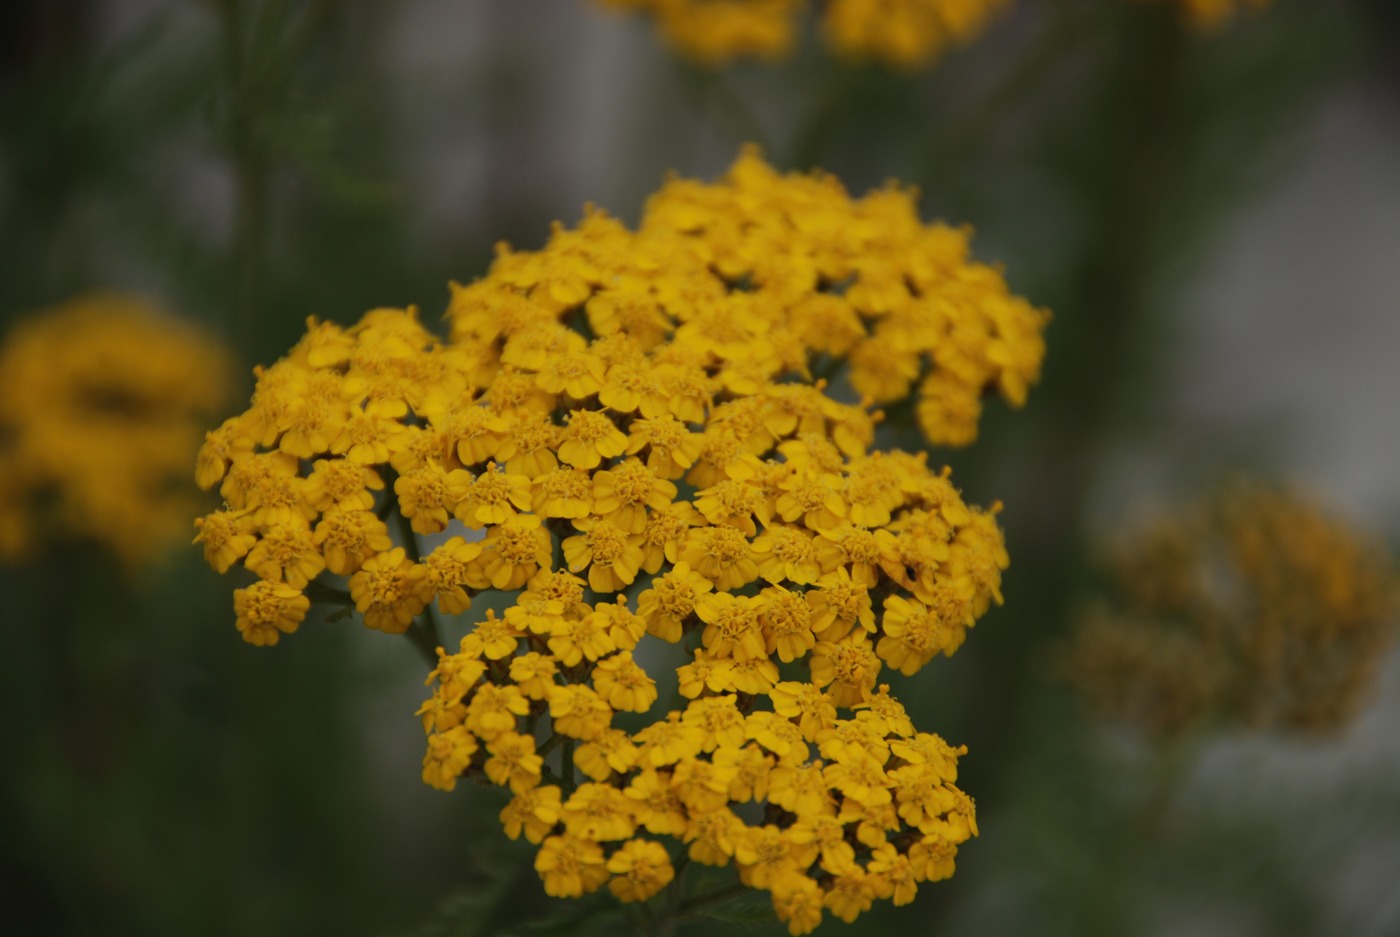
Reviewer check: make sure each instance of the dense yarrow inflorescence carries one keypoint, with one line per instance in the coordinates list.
(1254, 607)
(102, 400)
(901, 33)
(624, 432)
(773, 274)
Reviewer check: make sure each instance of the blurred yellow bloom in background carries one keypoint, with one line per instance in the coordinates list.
(102, 400)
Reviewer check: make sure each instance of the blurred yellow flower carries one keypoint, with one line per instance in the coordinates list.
(102, 402)
(672, 471)
(1254, 607)
(1214, 14)
(902, 33)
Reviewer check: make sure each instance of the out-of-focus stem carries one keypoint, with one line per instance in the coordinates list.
(712, 97)
(424, 631)
(692, 905)
(945, 153)
(251, 177)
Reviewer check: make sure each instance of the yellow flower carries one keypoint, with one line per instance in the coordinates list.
(763, 854)
(670, 446)
(570, 867)
(1208, 15)
(447, 757)
(578, 712)
(495, 710)
(103, 400)
(513, 762)
(268, 610)
(850, 893)
(609, 753)
(668, 741)
(623, 495)
(598, 812)
(564, 492)
(611, 555)
(640, 869)
(812, 708)
(732, 627)
(702, 785)
(839, 604)
(390, 591)
(849, 667)
(787, 623)
(797, 900)
(447, 572)
(533, 673)
(532, 812)
(336, 483)
(892, 875)
(903, 33)
(286, 552)
(719, 721)
(588, 438)
(491, 638)
(913, 634)
(492, 497)
(712, 836)
(665, 533)
(1253, 605)
(514, 551)
(671, 600)
(227, 538)
(566, 449)
(574, 640)
(657, 806)
(722, 555)
(348, 538)
(705, 674)
(622, 684)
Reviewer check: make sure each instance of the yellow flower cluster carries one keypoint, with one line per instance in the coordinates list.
(624, 430)
(1254, 607)
(787, 271)
(101, 404)
(902, 33)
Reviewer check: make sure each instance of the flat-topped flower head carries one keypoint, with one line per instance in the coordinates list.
(669, 483)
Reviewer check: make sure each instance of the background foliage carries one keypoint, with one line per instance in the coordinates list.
(252, 162)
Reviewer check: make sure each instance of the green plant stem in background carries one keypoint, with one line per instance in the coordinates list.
(261, 60)
(423, 632)
(724, 108)
(251, 172)
(691, 907)
(1061, 34)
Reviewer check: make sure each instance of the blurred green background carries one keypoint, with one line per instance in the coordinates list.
(1213, 219)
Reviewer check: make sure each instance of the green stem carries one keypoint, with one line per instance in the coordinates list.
(663, 922)
(318, 591)
(944, 155)
(251, 172)
(825, 368)
(557, 528)
(566, 765)
(719, 895)
(709, 94)
(423, 632)
(425, 643)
